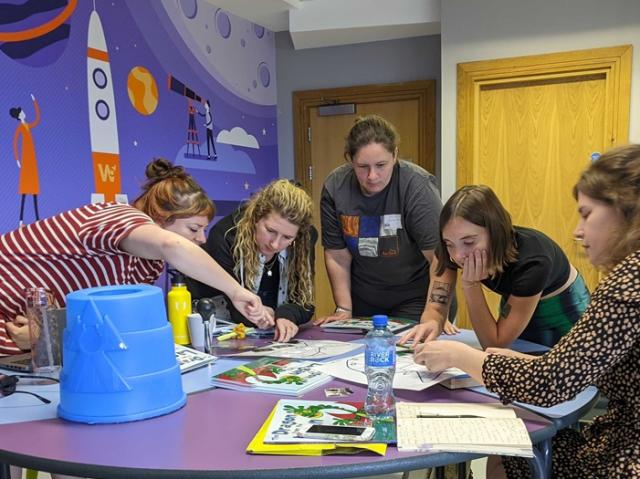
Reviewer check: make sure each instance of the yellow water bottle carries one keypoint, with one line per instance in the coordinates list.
(179, 307)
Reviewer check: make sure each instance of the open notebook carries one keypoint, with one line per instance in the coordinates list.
(461, 427)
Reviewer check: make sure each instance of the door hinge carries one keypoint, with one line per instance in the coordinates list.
(310, 173)
(309, 134)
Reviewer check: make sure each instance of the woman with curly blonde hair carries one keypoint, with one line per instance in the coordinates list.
(268, 245)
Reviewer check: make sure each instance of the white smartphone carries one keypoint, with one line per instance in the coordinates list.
(339, 433)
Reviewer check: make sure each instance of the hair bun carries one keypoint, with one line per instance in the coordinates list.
(160, 169)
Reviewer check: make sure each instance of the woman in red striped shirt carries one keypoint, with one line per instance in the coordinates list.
(110, 243)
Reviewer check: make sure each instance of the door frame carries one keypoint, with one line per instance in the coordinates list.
(614, 63)
(303, 101)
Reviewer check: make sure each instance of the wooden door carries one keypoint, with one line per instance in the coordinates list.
(528, 126)
(410, 107)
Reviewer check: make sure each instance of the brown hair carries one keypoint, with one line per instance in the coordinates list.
(614, 179)
(478, 204)
(171, 193)
(293, 204)
(370, 129)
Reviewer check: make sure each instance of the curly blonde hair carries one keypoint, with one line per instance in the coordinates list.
(293, 204)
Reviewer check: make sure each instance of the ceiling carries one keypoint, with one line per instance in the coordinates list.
(322, 23)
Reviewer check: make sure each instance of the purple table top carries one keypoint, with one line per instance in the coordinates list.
(209, 434)
(208, 437)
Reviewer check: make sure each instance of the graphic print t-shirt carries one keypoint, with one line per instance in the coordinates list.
(385, 233)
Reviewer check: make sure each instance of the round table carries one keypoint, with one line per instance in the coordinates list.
(208, 437)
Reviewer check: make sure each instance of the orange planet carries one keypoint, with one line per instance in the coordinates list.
(143, 90)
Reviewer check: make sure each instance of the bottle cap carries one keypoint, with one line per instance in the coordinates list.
(176, 277)
(380, 320)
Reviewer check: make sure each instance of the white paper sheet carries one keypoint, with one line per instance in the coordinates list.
(409, 375)
(301, 349)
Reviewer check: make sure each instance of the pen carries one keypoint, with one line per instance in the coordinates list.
(446, 416)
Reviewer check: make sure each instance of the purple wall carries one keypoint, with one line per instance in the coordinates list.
(220, 57)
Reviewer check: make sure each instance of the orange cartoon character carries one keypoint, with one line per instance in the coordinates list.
(25, 156)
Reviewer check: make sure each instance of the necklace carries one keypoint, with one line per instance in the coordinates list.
(268, 266)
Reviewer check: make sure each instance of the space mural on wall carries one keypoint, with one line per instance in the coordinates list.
(93, 90)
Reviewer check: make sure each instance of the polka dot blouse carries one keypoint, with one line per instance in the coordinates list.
(603, 349)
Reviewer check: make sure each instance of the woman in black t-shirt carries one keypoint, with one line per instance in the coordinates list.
(268, 246)
(543, 295)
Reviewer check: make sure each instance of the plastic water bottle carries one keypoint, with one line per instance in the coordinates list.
(380, 367)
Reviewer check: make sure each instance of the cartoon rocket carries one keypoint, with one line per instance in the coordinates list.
(102, 114)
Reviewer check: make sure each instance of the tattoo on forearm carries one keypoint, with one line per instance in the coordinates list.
(504, 311)
(440, 293)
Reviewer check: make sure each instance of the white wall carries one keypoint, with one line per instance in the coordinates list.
(491, 29)
(316, 24)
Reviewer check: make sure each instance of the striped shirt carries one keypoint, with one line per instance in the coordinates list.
(67, 252)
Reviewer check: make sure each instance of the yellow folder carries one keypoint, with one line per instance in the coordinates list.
(258, 446)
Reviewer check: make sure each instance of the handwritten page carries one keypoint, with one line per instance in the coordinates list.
(497, 410)
(473, 428)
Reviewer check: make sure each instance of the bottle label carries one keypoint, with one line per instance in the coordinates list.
(380, 357)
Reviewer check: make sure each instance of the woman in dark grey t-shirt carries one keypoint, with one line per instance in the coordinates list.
(379, 220)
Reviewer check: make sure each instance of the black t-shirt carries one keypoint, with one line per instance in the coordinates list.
(540, 267)
(268, 289)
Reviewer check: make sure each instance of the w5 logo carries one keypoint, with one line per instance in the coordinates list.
(107, 173)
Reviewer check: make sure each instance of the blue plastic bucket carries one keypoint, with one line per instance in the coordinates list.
(119, 360)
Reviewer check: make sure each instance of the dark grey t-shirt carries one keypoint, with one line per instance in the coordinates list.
(385, 233)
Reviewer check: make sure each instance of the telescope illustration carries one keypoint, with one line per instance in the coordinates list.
(193, 142)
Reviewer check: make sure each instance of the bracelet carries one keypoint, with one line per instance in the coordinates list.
(340, 309)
